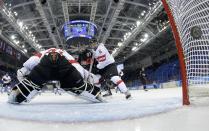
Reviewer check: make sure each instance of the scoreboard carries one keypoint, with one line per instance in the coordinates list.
(79, 29)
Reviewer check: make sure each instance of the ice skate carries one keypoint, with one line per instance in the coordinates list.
(145, 90)
(128, 95)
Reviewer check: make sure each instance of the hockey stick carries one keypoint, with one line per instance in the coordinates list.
(90, 68)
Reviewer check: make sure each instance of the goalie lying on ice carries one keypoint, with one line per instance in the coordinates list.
(52, 64)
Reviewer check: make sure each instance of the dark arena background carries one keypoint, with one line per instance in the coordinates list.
(160, 48)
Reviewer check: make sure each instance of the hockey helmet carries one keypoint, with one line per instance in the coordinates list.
(54, 57)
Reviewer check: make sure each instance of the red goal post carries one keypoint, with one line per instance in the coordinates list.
(189, 20)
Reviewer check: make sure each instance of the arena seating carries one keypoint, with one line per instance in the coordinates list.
(167, 71)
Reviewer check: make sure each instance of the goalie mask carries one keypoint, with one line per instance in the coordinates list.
(54, 57)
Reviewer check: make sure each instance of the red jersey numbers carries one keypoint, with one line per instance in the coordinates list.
(101, 58)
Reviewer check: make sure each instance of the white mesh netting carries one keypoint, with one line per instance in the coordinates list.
(187, 14)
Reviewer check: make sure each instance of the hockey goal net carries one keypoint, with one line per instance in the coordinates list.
(189, 20)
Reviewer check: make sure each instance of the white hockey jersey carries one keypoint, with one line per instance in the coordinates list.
(6, 79)
(103, 57)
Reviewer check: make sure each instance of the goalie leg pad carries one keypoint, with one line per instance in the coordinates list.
(86, 95)
(88, 92)
(24, 91)
(91, 93)
(88, 88)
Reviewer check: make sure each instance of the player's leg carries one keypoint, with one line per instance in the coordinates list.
(145, 88)
(121, 85)
(102, 80)
(107, 86)
(4, 87)
(143, 80)
(112, 74)
(8, 88)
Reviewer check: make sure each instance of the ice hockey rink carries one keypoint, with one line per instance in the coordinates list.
(154, 110)
(161, 45)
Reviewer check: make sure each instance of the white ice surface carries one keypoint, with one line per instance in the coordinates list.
(185, 118)
(67, 109)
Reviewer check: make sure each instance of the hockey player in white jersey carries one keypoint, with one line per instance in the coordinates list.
(107, 67)
(6, 79)
(52, 64)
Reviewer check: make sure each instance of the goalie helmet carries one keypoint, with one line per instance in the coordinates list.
(54, 57)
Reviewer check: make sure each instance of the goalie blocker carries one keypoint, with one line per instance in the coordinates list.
(52, 64)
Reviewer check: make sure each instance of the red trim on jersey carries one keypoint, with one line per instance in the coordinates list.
(101, 58)
(61, 52)
(38, 54)
(118, 82)
(72, 61)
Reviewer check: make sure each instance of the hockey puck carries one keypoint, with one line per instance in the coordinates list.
(196, 32)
